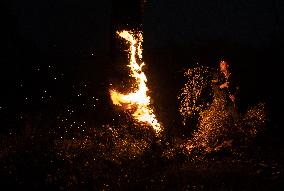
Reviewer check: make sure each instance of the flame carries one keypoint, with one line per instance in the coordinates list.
(137, 100)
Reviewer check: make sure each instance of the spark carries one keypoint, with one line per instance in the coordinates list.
(216, 127)
(190, 99)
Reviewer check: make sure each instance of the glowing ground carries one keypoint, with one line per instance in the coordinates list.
(79, 165)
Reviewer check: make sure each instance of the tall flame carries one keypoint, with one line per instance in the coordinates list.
(138, 100)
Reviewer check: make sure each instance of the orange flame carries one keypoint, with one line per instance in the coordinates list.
(138, 99)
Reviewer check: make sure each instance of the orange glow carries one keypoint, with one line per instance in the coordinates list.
(137, 100)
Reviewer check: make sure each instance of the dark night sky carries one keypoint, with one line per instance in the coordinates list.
(72, 41)
(256, 23)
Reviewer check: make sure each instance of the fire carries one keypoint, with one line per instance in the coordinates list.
(138, 100)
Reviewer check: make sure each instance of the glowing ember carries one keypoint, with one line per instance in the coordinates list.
(190, 99)
(216, 128)
(137, 100)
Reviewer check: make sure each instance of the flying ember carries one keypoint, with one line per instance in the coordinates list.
(137, 101)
